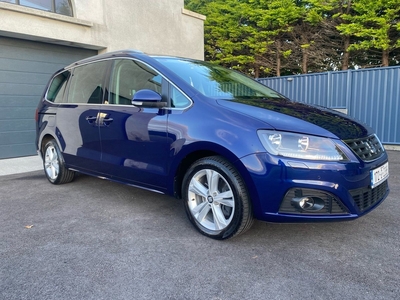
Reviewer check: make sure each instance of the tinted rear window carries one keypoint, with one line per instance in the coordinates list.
(87, 83)
(56, 90)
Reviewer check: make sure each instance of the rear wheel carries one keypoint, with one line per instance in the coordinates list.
(54, 166)
(216, 199)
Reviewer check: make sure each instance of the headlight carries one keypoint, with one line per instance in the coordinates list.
(300, 146)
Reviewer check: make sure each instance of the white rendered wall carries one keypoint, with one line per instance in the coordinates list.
(155, 26)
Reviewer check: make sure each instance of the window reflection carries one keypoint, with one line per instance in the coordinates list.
(130, 76)
(62, 7)
(38, 4)
(87, 84)
(178, 100)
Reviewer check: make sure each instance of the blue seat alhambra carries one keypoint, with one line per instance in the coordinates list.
(231, 148)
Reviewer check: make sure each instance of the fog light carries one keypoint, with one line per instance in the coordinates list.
(308, 203)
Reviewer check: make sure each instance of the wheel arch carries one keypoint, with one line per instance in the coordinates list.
(44, 140)
(184, 164)
(196, 152)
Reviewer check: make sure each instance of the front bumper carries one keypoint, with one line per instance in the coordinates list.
(342, 188)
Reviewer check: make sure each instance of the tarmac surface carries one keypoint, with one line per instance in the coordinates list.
(95, 239)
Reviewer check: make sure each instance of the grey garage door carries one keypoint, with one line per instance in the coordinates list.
(25, 68)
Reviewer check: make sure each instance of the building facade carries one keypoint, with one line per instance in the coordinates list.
(38, 37)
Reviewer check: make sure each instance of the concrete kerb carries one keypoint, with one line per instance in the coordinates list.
(18, 165)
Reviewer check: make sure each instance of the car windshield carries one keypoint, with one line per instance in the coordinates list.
(217, 82)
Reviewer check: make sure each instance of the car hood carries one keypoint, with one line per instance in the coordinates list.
(283, 114)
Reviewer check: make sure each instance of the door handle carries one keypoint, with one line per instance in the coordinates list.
(91, 119)
(107, 121)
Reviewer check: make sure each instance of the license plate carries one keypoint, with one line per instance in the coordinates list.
(379, 175)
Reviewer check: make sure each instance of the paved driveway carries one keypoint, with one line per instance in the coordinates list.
(94, 239)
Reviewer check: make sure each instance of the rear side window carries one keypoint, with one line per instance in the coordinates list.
(87, 83)
(56, 90)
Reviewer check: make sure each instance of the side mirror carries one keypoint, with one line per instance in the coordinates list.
(148, 98)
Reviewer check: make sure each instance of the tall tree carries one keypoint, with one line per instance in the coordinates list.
(275, 37)
(273, 20)
(310, 39)
(227, 32)
(327, 15)
(375, 24)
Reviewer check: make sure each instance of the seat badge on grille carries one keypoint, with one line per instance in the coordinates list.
(371, 148)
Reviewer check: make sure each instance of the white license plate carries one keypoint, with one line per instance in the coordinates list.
(379, 175)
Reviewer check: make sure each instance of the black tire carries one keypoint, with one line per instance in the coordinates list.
(216, 199)
(54, 166)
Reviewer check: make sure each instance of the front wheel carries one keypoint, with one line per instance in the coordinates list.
(216, 199)
(54, 166)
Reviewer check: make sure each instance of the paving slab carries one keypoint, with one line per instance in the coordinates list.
(18, 165)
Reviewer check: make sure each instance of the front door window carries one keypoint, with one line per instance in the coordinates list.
(130, 76)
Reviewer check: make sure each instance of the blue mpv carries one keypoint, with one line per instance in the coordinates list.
(231, 148)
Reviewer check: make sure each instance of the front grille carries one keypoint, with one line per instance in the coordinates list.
(367, 197)
(368, 148)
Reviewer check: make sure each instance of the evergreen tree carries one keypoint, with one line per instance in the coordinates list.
(376, 25)
(280, 37)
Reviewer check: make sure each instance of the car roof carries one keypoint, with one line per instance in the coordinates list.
(123, 53)
(120, 53)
